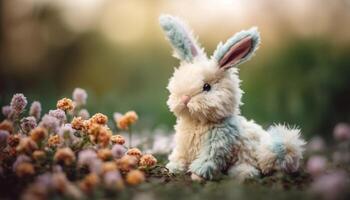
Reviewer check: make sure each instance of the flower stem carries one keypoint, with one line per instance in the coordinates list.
(18, 126)
(130, 135)
(84, 142)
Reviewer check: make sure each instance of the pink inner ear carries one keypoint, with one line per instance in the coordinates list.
(194, 50)
(236, 53)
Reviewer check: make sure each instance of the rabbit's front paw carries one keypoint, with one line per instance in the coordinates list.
(207, 170)
(197, 178)
(175, 168)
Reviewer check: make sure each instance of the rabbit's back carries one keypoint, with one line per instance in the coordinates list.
(251, 137)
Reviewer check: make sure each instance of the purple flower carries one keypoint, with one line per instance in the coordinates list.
(45, 180)
(57, 169)
(67, 133)
(112, 179)
(83, 113)
(79, 96)
(35, 110)
(95, 166)
(316, 165)
(162, 143)
(18, 103)
(28, 123)
(20, 159)
(342, 132)
(3, 138)
(50, 123)
(59, 114)
(118, 151)
(330, 186)
(89, 158)
(86, 156)
(6, 111)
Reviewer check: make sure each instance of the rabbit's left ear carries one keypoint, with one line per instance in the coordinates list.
(181, 38)
(238, 49)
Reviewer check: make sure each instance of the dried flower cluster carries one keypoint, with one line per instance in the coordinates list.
(125, 121)
(51, 149)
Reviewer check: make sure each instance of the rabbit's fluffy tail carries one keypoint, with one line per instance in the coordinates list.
(282, 151)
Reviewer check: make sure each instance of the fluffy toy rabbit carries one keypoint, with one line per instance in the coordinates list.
(211, 135)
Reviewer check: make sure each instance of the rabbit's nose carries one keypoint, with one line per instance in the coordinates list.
(185, 99)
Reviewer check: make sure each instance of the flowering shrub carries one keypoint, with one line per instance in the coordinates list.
(67, 152)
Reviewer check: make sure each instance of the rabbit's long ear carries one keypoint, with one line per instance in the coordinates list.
(238, 49)
(181, 38)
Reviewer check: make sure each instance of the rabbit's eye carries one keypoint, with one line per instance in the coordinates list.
(206, 87)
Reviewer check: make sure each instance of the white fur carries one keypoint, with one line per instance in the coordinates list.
(223, 99)
(255, 150)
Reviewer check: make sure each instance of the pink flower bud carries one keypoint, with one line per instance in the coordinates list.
(342, 132)
(316, 165)
(18, 103)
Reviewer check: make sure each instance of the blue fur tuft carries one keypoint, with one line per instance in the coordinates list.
(222, 49)
(216, 152)
(278, 147)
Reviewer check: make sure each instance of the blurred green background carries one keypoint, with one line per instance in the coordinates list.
(116, 50)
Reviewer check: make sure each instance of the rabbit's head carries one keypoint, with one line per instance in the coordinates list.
(206, 89)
